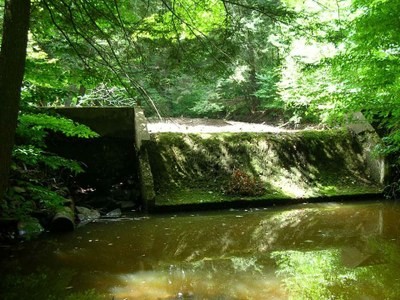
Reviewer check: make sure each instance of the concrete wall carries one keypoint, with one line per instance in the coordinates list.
(199, 168)
(158, 169)
(369, 139)
(142, 137)
(116, 159)
(115, 122)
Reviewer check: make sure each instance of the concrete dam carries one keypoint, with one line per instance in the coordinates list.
(176, 170)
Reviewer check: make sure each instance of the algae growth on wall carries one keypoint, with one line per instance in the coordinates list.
(199, 168)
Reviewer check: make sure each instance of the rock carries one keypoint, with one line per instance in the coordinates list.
(116, 213)
(29, 228)
(127, 204)
(86, 215)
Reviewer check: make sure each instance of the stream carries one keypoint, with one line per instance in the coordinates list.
(305, 251)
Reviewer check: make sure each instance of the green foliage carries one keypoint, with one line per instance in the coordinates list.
(41, 95)
(343, 59)
(37, 177)
(371, 66)
(267, 81)
(128, 51)
(315, 60)
(35, 126)
(208, 108)
(185, 19)
(33, 156)
(268, 90)
(17, 204)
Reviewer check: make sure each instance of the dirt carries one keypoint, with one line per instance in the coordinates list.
(198, 125)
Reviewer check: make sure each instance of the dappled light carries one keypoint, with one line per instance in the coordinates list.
(285, 165)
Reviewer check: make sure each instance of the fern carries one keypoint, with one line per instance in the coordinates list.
(33, 156)
(33, 128)
(36, 181)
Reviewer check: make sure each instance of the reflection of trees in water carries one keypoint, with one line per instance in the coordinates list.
(321, 227)
(284, 229)
(330, 252)
(322, 274)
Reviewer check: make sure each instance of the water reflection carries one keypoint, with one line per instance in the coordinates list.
(198, 284)
(325, 251)
(322, 275)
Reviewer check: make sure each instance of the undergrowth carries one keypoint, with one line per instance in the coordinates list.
(38, 177)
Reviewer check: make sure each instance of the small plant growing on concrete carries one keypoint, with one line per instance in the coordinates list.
(243, 184)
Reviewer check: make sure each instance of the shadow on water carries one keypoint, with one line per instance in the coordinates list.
(314, 251)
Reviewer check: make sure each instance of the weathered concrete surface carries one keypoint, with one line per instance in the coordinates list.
(177, 168)
(197, 168)
(117, 157)
(142, 136)
(141, 131)
(369, 139)
(115, 122)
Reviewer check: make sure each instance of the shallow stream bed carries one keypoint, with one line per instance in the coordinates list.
(310, 251)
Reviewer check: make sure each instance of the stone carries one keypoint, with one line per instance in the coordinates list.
(116, 213)
(86, 215)
(29, 228)
(127, 204)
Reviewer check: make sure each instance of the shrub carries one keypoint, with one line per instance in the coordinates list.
(37, 176)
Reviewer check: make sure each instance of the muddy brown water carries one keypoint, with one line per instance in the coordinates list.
(310, 251)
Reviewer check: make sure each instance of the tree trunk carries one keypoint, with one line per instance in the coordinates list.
(12, 65)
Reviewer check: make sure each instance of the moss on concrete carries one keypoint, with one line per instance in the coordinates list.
(195, 168)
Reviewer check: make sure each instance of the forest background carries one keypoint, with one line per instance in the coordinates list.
(297, 61)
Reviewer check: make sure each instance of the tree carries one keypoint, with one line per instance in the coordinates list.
(356, 69)
(149, 49)
(117, 42)
(369, 69)
(12, 64)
